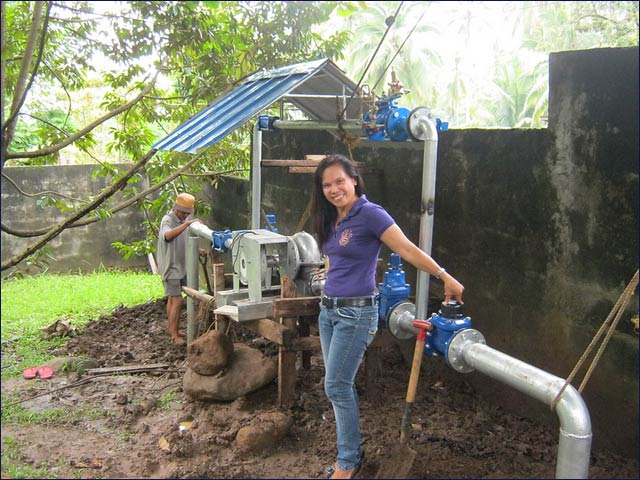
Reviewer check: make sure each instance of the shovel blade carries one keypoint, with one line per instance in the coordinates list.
(398, 464)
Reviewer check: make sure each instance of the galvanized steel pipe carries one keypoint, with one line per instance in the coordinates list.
(429, 163)
(192, 253)
(574, 447)
(201, 230)
(256, 177)
(318, 125)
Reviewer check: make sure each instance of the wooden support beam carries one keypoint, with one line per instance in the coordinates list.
(308, 165)
(304, 331)
(195, 294)
(127, 369)
(287, 375)
(290, 163)
(311, 343)
(296, 307)
(300, 169)
(271, 330)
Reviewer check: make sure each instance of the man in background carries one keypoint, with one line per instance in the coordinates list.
(172, 258)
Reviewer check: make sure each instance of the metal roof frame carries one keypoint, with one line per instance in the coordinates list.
(318, 88)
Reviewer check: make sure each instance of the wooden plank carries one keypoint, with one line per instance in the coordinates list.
(229, 311)
(271, 330)
(301, 169)
(127, 369)
(195, 294)
(289, 163)
(296, 307)
(317, 158)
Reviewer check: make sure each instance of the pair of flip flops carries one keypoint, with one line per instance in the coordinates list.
(40, 372)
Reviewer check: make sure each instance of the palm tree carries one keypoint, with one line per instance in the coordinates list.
(520, 96)
(403, 49)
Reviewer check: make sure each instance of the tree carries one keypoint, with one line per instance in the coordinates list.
(199, 50)
(401, 49)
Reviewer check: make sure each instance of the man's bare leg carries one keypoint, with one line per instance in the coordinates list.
(174, 307)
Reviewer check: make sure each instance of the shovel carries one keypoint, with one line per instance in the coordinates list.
(402, 456)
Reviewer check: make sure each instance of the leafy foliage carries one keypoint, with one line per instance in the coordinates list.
(186, 54)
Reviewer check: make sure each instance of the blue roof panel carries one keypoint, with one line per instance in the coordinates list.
(238, 106)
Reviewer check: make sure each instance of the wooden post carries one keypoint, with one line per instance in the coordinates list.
(303, 331)
(218, 278)
(287, 375)
(287, 358)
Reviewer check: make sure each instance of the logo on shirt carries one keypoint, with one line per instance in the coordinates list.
(345, 237)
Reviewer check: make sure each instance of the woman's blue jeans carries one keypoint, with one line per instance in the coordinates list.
(345, 334)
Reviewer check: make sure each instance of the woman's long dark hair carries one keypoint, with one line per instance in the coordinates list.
(323, 213)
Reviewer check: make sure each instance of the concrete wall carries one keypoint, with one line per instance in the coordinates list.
(77, 249)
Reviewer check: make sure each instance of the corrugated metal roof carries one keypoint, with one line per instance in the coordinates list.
(313, 87)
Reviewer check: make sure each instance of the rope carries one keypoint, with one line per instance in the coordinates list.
(616, 311)
(398, 51)
(204, 315)
(389, 24)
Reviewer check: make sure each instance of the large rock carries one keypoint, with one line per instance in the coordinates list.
(209, 353)
(248, 370)
(263, 432)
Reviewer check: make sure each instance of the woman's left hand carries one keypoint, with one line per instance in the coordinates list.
(452, 288)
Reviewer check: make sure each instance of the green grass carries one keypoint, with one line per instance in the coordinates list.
(32, 303)
(13, 465)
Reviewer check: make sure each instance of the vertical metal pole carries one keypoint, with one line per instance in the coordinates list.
(256, 176)
(430, 161)
(193, 247)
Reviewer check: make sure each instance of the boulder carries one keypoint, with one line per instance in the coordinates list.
(209, 353)
(264, 431)
(248, 370)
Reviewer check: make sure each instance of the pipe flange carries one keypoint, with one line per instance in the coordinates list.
(458, 342)
(400, 321)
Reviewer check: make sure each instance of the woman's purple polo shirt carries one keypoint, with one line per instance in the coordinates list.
(353, 250)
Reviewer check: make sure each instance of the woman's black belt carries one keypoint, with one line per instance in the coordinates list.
(338, 302)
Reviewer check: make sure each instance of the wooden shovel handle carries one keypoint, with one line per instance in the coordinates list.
(415, 366)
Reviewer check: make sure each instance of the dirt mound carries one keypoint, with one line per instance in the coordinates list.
(149, 428)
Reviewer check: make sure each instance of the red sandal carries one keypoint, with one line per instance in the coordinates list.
(29, 373)
(41, 372)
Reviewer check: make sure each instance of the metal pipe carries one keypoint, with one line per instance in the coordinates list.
(574, 447)
(201, 230)
(429, 162)
(193, 247)
(256, 177)
(318, 125)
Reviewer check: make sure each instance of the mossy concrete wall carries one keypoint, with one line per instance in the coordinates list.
(541, 226)
(84, 248)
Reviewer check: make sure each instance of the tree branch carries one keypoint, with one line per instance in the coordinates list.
(45, 192)
(57, 229)
(117, 208)
(80, 133)
(21, 89)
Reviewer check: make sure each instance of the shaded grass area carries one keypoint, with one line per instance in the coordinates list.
(32, 303)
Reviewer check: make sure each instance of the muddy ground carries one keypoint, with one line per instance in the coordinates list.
(128, 425)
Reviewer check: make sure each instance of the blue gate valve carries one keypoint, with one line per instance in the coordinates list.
(393, 290)
(221, 240)
(271, 223)
(449, 320)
